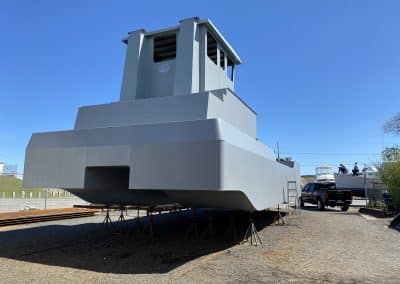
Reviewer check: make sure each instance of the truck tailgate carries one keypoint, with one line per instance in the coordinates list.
(339, 195)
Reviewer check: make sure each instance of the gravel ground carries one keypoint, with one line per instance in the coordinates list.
(330, 246)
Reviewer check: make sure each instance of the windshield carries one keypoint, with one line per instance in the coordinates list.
(324, 171)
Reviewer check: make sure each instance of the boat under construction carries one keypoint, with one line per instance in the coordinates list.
(179, 133)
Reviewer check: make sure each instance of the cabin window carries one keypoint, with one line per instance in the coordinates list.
(222, 59)
(212, 48)
(164, 47)
(231, 68)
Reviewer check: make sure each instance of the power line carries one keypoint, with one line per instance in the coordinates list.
(328, 164)
(335, 154)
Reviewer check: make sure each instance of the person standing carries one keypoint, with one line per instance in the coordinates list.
(343, 169)
(355, 170)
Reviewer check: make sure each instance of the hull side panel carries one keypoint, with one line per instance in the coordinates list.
(263, 181)
(207, 163)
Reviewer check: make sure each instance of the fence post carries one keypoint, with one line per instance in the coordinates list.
(45, 199)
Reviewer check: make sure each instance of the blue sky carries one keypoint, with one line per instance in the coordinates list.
(323, 76)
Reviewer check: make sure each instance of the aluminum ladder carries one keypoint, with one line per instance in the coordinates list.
(293, 212)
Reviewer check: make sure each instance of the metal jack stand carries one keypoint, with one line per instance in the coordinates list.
(150, 220)
(121, 219)
(279, 220)
(138, 225)
(107, 219)
(210, 226)
(233, 228)
(193, 226)
(252, 234)
(121, 216)
(209, 232)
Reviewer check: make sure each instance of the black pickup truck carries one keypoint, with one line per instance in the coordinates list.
(326, 194)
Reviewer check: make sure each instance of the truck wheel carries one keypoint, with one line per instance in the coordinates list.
(320, 205)
(344, 207)
(301, 203)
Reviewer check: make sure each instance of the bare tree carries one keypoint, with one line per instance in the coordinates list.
(393, 125)
(391, 154)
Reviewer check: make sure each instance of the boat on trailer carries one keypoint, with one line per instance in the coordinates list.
(324, 174)
(179, 133)
(368, 180)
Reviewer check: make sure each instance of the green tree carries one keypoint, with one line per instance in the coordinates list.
(391, 154)
(390, 174)
(390, 169)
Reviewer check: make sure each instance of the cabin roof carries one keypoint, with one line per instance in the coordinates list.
(211, 28)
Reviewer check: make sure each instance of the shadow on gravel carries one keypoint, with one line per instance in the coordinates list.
(330, 210)
(126, 248)
(327, 209)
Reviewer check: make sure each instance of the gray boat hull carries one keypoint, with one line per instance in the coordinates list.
(204, 163)
(178, 134)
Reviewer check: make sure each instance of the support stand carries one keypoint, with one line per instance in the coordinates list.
(279, 220)
(121, 216)
(233, 229)
(210, 227)
(150, 220)
(138, 225)
(121, 219)
(208, 233)
(251, 233)
(193, 226)
(107, 219)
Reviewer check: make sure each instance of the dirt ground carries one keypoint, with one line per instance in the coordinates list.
(38, 213)
(329, 246)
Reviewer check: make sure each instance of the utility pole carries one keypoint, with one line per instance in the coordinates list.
(277, 148)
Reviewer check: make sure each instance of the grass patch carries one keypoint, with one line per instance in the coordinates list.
(10, 184)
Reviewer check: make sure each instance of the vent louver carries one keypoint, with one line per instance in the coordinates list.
(164, 47)
(211, 48)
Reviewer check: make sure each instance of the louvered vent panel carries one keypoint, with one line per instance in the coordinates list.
(164, 47)
(212, 48)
